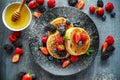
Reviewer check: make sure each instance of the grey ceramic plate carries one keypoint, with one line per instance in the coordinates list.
(38, 30)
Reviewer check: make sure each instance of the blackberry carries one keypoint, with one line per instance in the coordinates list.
(20, 75)
(72, 2)
(62, 54)
(50, 28)
(100, 3)
(112, 14)
(8, 48)
(18, 44)
(34, 77)
(50, 58)
(105, 56)
(103, 18)
(110, 48)
(41, 8)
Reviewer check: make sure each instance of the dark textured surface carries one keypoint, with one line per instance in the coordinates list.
(99, 70)
(86, 23)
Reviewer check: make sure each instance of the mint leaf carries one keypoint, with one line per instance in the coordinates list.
(65, 37)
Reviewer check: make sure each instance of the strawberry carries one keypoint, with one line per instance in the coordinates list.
(59, 39)
(109, 6)
(27, 77)
(32, 4)
(37, 14)
(12, 38)
(15, 58)
(44, 50)
(65, 63)
(17, 33)
(19, 51)
(110, 40)
(74, 58)
(80, 4)
(92, 9)
(76, 37)
(51, 3)
(100, 11)
(44, 38)
(41, 2)
(84, 37)
(60, 47)
(104, 46)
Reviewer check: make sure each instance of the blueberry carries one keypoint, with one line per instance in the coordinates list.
(50, 58)
(34, 77)
(41, 8)
(55, 50)
(103, 18)
(72, 2)
(100, 3)
(80, 43)
(68, 22)
(112, 14)
(61, 29)
(40, 43)
(20, 75)
(18, 44)
(8, 48)
(62, 54)
(77, 22)
(65, 16)
(58, 60)
(75, 25)
(50, 28)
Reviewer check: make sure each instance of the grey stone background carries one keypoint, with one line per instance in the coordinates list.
(99, 70)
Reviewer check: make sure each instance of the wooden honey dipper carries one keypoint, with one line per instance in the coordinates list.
(17, 13)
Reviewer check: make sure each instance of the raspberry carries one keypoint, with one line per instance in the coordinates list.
(18, 44)
(17, 33)
(12, 38)
(110, 40)
(19, 51)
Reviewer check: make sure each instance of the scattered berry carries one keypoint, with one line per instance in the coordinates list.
(15, 58)
(18, 44)
(68, 22)
(92, 9)
(41, 8)
(105, 56)
(100, 3)
(32, 4)
(80, 43)
(50, 58)
(41, 2)
(12, 38)
(65, 63)
(44, 39)
(110, 48)
(44, 50)
(62, 54)
(80, 4)
(110, 40)
(17, 33)
(74, 58)
(65, 16)
(27, 77)
(61, 30)
(103, 17)
(72, 2)
(51, 3)
(100, 11)
(60, 47)
(34, 77)
(55, 50)
(76, 37)
(104, 46)
(8, 48)
(50, 28)
(59, 60)
(112, 14)
(109, 6)
(76, 22)
(37, 14)
(59, 39)
(19, 51)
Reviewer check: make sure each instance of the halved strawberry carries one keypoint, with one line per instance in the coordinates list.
(37, 14)
(84, 37)
(110, 40)
(44, 50)
(15, 58)
(80, 4)
(104, 46)
(27, 77)
(44, 39)
(76, 37)
(65, 63)
(60, 47)
(59, 39)
(74, 58)
(19, 51)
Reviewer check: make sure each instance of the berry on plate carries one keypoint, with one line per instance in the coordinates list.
(15, 58)
(100, 11)
(44, 38)
(60, 47)
(84, 37)
(59, 39)
(44, 50)
(37, 14)
(51, 3)
(92, 9)
(32, 4)
(76, 37)
(41, 2)
(109, 6)
(110, 40)
(12, 38)
(19, 51)
(74, 58)
(65, 63)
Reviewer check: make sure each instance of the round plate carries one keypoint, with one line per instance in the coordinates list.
(38, 30)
